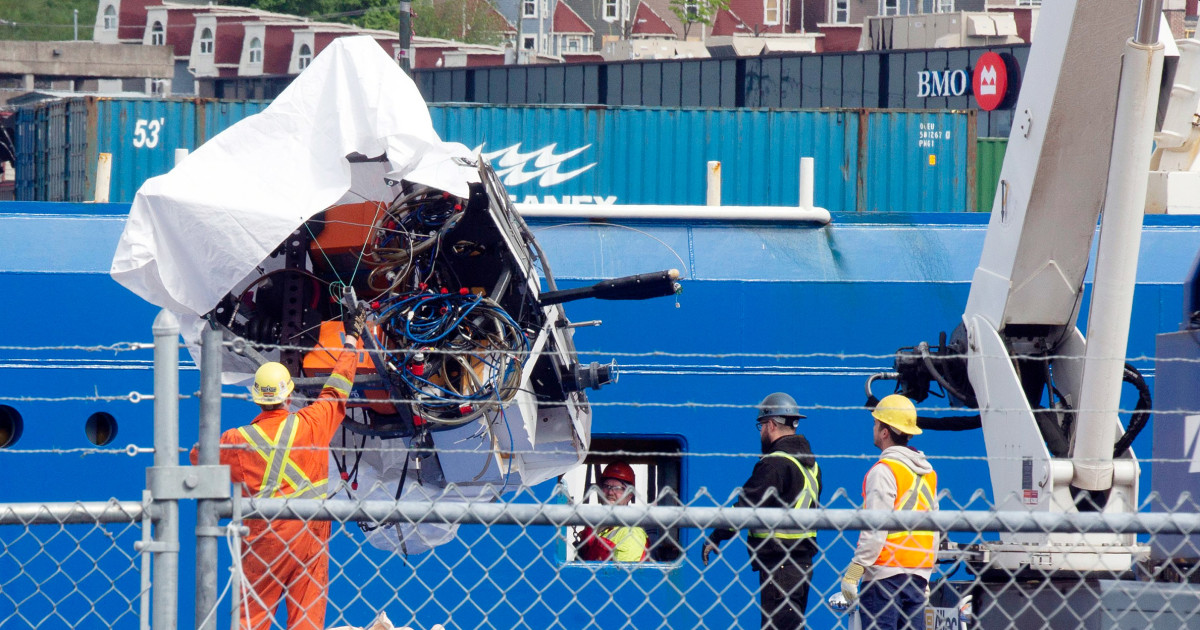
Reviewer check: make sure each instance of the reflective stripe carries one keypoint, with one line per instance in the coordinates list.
(277, 451)
(339, 384)
(807, 499)
(910, 549)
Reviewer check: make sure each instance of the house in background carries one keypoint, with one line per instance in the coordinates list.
(243, 53)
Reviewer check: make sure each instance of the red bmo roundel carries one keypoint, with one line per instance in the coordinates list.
(990, 82)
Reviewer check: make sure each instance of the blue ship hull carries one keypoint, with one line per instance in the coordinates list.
(766, 308)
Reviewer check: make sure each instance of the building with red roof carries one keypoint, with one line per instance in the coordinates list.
(648, 24)
(569, 33)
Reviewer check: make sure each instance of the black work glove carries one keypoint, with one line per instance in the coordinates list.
(871, 403)
(354, 319)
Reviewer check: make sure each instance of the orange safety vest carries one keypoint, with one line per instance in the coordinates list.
(909, 549)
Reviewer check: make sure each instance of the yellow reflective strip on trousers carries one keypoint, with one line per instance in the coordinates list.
(776, 534)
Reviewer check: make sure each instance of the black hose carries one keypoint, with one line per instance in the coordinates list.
(950, 423)
(1141, 412)
(923, 348)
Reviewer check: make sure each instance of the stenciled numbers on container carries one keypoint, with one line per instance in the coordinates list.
(146, 132)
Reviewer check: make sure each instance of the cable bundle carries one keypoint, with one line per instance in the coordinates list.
(406, 238)
(456, 354)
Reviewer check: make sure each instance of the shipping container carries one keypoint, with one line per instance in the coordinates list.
(863, 158)
(898, 79)
(866, 160)
(989, 157)
(58, 142)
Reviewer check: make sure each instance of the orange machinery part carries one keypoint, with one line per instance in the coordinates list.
(319, 362)
(347, 227)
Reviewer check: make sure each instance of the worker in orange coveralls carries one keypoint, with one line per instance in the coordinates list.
(282, 454)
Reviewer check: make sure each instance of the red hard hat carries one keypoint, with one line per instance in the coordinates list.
(619, 471)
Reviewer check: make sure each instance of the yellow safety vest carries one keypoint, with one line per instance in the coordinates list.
(910, 549)
(807, 499)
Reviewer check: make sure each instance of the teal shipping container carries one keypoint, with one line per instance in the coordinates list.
(58, 142)
(865, 160)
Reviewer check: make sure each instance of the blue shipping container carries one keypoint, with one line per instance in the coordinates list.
(58, 142)
(866, 160)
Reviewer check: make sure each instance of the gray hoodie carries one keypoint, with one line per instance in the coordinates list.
(879, 493)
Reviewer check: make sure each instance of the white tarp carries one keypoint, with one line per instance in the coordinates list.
(198, 230)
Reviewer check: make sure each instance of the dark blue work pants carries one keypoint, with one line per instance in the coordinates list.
(894, 603)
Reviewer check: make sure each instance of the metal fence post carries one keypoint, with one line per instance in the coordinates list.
(206, 509)
(166, 453)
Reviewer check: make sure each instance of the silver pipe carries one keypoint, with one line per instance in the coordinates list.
(165, 613)
(209, 455)
(1149, 17)
(704, 517)
(72, 513)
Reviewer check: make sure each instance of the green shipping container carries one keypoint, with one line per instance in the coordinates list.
(989, 158)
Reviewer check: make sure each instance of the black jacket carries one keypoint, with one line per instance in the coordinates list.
(776, 482)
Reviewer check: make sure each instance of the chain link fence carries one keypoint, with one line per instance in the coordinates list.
(73, 565)
(511, 564)
(500, 557)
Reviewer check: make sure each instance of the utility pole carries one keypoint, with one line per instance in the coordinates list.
(75, 19)
(405, 36)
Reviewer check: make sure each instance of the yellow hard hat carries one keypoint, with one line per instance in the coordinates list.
(272, 384)
(897, 412)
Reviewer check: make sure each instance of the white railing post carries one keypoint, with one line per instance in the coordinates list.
(713, 197)
(103, 178)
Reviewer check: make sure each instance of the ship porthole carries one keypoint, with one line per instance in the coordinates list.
(101, 428)
(11, 426)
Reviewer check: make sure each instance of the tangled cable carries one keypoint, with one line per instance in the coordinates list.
(455, 354)
(405, 239)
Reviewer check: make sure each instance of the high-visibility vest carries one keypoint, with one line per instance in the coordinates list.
(807, 499)
(910, 549)
(281, 476)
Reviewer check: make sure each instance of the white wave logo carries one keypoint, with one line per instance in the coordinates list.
(510, 164)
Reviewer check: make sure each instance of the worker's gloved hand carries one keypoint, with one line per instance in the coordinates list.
(710, 547)
(354, 319)
(838, 602)
(850, 579)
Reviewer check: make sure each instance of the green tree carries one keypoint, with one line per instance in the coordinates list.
(697, 12)
(469, 21)
(44, 20)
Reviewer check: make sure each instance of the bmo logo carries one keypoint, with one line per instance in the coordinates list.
(994, 82)
(941, 83)
(990, 81)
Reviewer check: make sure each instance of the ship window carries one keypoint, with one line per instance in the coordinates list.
(206, 41)
(110, 18)
(305, 56)
(101, 428)
(158, 35)
(657, 463)
(11, 426)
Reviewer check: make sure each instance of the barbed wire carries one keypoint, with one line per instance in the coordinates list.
(135, 397)
(239, 345)
(133, 449)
